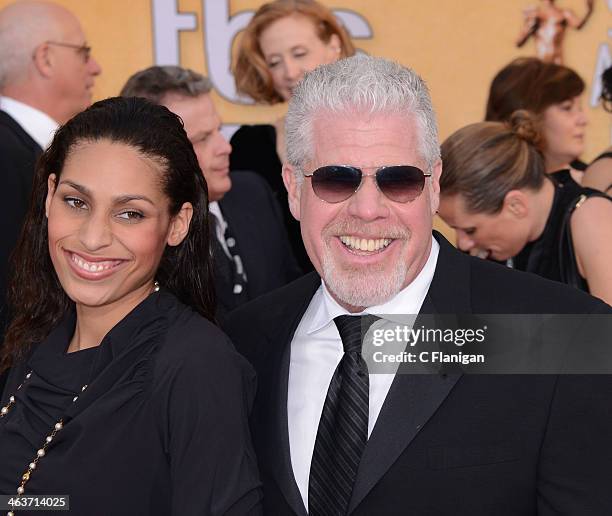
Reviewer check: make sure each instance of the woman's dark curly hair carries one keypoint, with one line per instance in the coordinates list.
(37, 301)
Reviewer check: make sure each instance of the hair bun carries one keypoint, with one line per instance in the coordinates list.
(523, 124)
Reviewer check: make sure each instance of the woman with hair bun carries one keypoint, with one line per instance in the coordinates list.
(495, 193)
(284, 40)
(552, 92)
(599, 173)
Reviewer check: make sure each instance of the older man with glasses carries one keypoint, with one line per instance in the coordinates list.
(46, 77)
(333, 436)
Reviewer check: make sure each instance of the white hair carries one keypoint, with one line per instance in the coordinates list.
(359, 84)
(23, 27)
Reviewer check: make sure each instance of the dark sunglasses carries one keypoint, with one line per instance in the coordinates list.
(336, 183)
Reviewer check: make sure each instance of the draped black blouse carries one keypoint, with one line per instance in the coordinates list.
(162, 427)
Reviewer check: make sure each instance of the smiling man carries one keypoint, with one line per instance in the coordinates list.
(332, 437)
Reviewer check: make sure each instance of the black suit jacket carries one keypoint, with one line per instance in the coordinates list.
(449, 444)
(18, 155)
(254, 218)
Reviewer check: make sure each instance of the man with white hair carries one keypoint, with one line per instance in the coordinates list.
(332, 437)
(46, 77)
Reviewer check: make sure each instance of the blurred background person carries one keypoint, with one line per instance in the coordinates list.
(46, 76)
(250, 247)
(118, 377)
(284, 40)
(553, 93)
(599, 173)
(496, 195)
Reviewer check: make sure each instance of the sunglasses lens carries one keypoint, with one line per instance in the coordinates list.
(335, 183)
(402, 183)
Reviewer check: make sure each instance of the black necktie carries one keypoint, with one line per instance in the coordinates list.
(343, 427)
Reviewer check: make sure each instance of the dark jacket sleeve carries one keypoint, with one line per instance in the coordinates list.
(208, 390)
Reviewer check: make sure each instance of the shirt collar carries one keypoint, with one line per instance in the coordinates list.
(40, 126)
(215, 209)
(406, 301)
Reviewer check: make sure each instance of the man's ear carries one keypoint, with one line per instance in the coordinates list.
(516, 204)
(51, 186)
(293, 189)
(42, 60)
(179, 226)
(436, 172)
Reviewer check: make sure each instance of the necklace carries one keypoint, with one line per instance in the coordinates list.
(59, 425)
(42, 451)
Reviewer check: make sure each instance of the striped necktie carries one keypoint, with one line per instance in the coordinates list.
(343, 427)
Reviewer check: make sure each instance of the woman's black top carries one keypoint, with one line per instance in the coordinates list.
(162, 427)
(542, 255)
(254, 148)
(604, 155)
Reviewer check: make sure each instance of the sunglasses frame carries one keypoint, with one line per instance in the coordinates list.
(363, 175)
(83, 50)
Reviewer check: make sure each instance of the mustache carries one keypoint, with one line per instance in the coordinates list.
(372, 230)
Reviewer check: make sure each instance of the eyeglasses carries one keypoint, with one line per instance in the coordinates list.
(84, 50)
(337, 183)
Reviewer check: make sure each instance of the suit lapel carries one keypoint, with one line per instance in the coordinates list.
(413, 399)
(277, 447)
(27, 140)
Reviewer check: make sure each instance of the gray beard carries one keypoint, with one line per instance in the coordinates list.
(363, 287)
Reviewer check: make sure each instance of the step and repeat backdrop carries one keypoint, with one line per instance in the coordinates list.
(456, 46)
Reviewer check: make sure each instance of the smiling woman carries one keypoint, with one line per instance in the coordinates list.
(114, 365)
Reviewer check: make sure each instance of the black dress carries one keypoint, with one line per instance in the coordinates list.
(604, 155)
(162, 427)
(542, 255)
(254, 148)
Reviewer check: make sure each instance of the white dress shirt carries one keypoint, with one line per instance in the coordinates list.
(220, 228)
(40, 126)
(316, 350)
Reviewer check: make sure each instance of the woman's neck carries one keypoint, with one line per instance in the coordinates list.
(94, 322)
(542, 204)
(556, 163)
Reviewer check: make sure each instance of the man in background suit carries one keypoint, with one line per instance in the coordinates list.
(46, 77)
(251, 252)
(331, 437)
